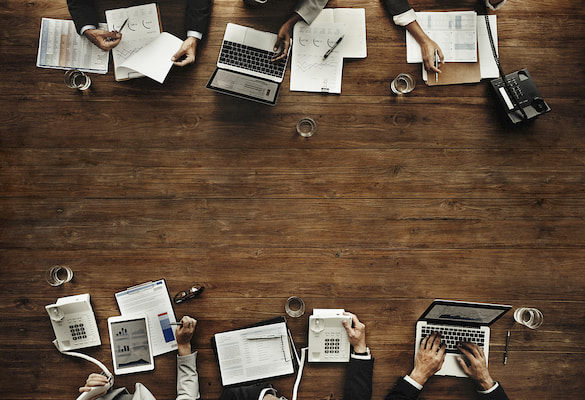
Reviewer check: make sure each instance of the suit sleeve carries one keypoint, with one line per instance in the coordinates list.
(83, 13)
(497, 394)
(396, 7)
(197, 15)
(310, 9)
(187, 377)
(358, 381)
(403, 390)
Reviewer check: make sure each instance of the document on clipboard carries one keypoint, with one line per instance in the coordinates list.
(253, 353)
(153, 300)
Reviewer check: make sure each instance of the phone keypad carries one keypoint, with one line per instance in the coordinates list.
(78, 331)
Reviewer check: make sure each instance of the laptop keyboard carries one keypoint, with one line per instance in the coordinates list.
(452, 336)
(252, 59)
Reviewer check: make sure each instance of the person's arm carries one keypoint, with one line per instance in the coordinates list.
(358, 382)
(187, 376)
(403, 15)
(474, 364)
(306, 10)
(197, 15)
(84, 15)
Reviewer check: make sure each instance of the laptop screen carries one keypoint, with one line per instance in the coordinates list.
(464, 313)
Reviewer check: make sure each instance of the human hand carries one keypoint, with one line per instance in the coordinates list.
(356, 331)
(429, 358)
(186, 53)
(282, 44)
(475, 365)
(94, 380)
(428, 55)
(103, 39)
(184, 334)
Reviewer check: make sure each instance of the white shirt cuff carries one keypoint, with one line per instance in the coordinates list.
(490, 389)
(194, 34)
(362, 356)
(497, 7)
(86, 27)
(405, 18)
(413, 382)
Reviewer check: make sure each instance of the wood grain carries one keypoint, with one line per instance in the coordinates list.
(392, 203)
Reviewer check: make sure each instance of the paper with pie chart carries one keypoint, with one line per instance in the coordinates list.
(310, 72)
(143, 50)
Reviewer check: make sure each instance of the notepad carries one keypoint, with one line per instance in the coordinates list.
(144, 49)
(253, 353)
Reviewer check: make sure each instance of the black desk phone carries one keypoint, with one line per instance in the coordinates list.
(520, 93)
(517, 94)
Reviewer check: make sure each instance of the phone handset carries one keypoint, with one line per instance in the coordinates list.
(95, 390)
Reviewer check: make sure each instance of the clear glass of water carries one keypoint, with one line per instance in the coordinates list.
(76, 79)
(403, 83)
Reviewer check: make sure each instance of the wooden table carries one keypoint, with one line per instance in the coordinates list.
(393, 202)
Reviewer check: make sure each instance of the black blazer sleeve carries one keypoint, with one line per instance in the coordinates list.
(403, 390)
(197, 15)
(497, 394)
(358, 381)
(83, 13)
(396, 7)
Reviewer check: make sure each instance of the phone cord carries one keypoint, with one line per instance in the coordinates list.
(511, 93)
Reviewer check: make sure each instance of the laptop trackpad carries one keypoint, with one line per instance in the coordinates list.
(259, 39)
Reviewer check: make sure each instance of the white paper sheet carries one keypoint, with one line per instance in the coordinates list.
(455, 32)
(309, 71)
(254, 353)
(60, 47)
(487, 63)
(355, 45)
(152, 299)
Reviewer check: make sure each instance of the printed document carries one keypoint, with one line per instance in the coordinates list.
(254, 353)
(60, 47)
(354, 45)
(310, 72)
(143, 50)
(152, 299)
(454, 32)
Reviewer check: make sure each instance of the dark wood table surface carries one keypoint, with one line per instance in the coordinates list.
(393, 202)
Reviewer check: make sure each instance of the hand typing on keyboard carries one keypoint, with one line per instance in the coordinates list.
(474, 364)
(429, 358)
(282, 45)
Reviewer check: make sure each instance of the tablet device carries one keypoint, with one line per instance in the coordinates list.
(129, 340)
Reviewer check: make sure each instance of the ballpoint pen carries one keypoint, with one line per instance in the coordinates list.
(506, 348)
(436, 65)
(332, 48)
(123, 25)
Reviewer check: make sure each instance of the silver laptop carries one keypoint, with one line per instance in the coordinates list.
(244, 67)
(457, 322)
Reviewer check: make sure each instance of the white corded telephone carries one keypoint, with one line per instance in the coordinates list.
(75, 327)
(74, 322)
(328, 341)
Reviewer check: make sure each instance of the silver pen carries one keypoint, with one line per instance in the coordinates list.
(436, 65)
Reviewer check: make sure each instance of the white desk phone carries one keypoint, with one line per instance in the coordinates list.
(328, 340)
(75, 327)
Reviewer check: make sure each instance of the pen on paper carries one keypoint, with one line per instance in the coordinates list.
(264, 337)
(123, 25)
(436, 65)
(332, 48)
(506, 348)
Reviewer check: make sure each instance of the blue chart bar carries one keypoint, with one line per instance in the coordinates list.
(167, 329)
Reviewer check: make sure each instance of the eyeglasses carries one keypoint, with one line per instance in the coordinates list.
(190, 293)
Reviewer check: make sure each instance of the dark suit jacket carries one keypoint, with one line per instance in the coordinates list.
(403, 390)
(358, 381)
(197, 14)
(396, 7)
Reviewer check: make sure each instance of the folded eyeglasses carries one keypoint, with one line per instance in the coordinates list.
(190, 293)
